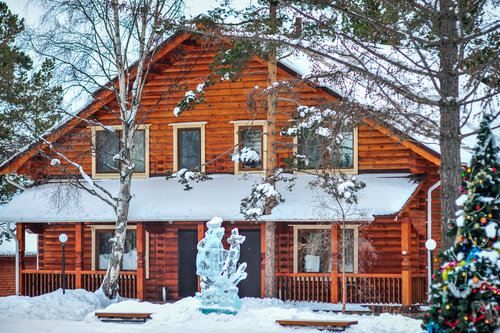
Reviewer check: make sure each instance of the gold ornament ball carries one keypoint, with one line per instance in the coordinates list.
(444, 287)
(447, 307)
(475, 279)
(483, 220)
(489, 215)
(486, 321)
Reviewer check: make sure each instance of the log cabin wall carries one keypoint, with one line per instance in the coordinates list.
(225, 102)
(8, 273)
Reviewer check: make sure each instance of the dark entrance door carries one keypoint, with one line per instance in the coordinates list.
(250, 253)
(188, 280)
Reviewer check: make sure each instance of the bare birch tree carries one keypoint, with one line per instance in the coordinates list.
(108, 46)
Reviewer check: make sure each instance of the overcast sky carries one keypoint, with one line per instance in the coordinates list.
(31, 11)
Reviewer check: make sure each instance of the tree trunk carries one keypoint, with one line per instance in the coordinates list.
(110, 285)
(449, 135)
(269, 276)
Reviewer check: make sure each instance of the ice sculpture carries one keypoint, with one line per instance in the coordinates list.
(218, 269)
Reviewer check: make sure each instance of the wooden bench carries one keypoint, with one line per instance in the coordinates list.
(318, 324)
(123, 317)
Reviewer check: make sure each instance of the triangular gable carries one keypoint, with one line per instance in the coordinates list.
(104, 96)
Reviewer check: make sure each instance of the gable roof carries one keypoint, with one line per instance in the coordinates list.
(104, 96)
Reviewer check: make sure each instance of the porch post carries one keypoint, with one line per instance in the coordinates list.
(20, 229)
(406, 286)
(141, 262)
(78, 254)
(263, 258)
(334, 274)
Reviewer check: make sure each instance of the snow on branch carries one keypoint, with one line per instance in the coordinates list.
(264, 196)
(245, 155)
(185, 177)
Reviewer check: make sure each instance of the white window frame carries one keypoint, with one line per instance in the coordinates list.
(96, 228)
(297, 227)
(116, 175)
(350, 171)
(250, 123)
(194, 125)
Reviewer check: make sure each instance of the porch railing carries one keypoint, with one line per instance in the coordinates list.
(361, 288)
(303, 287)
(38, 282)
(419, 289)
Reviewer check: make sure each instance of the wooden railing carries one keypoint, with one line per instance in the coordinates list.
(37, 282)
(361, 288)
(371, 288)
(304, 287)
(419, 289)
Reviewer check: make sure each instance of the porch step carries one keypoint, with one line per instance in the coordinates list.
(318, 324)
(123, 317)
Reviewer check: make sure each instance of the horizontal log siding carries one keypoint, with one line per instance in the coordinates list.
(8, 273)
(225, 101)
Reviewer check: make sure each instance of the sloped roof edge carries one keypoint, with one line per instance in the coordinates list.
(177, 38)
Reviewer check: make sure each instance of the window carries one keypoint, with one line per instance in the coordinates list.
(104, 245)
(316, 151)
(250, 134)
(312, 248)
(189, 145)
(101, 248)
(189, 148)
(107, 146)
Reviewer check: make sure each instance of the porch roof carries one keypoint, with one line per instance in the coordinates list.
(156, 199)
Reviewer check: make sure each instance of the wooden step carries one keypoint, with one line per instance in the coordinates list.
(122, 317)
(318, 324)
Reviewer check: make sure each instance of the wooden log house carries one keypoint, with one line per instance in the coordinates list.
(386, 261)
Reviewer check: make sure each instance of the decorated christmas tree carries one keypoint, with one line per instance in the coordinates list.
(465, 291)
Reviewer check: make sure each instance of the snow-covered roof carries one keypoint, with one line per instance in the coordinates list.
(8, 247)
(156, 199)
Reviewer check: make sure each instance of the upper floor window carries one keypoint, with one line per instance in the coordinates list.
(189, 146)
(105, 161)
(249, 136)
(320, 153)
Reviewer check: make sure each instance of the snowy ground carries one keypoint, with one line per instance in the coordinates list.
(58, 313)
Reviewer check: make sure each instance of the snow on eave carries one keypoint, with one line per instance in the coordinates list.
(156, 199)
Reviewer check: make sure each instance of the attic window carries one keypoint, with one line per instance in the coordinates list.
(107, 147)
(189, 145)
(250, 134)
(316, 151)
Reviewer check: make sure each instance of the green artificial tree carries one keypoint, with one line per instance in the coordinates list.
(465, 291)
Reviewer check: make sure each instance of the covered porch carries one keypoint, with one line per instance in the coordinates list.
(397, 278)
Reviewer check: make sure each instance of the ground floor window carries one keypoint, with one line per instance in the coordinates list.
(104, 245)
(102, 236)
(312, 248)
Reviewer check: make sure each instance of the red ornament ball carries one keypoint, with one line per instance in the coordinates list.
(478, 208)
(493, 169)
(482, 309)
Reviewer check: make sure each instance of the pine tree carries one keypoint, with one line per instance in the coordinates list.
(465, 294)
